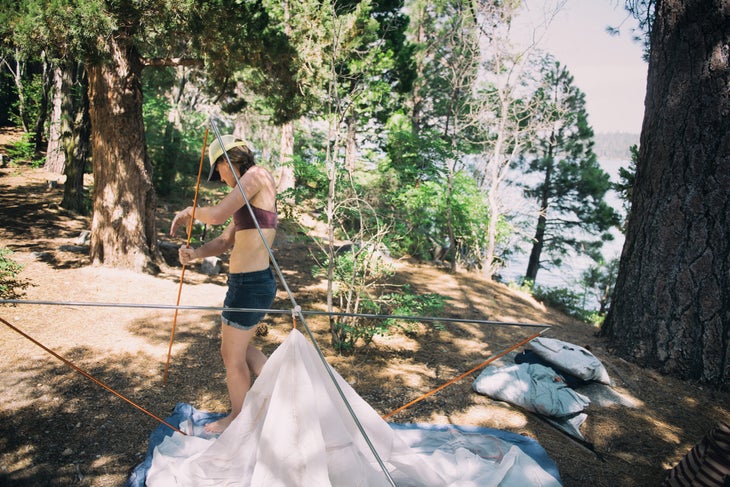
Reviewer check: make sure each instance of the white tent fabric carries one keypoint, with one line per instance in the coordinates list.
(295, 430)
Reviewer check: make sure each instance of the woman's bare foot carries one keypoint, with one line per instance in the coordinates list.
(217, 427)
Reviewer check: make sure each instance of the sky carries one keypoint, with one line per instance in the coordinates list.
(608, 69)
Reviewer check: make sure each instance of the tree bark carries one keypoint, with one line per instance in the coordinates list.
(671, 304)
(69, 132)
(39, 132)
(538, 241)
(76, 142)
(351, 144)
(533, 263)
(123, 230)
(286, 179)
(55, 157)
(286, 159)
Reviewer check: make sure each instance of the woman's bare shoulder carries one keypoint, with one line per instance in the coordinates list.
(258, 172)
(262, 186)
(261, 174)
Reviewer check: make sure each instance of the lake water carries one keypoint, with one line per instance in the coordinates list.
(568, 274)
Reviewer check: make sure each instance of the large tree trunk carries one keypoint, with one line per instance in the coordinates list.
(76, 143)
(68, 142)
(671, 305)
(123, 226)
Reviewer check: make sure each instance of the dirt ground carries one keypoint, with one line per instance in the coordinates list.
(58, 427)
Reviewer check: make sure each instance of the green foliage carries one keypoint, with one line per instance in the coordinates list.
(428, 208)
(625, 186)
(407, 303)
(570, 186)
(596, 285)
(563, 299)
(351, 332)
(358, 273)
(524, 285)
(8, 96)
(404, 303)
(310, 179)
(434, 212)
(445, 56)
(10, 285)
(23, 150)
(173, 148)
(413, 157)
(364, 329)
(598, 282)
(63, 29)
(32, 91)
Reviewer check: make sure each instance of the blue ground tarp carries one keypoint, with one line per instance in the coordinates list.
(197, 419)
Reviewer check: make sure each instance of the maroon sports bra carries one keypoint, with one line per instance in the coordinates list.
(242, 218)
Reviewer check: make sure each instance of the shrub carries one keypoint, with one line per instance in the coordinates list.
(22, 149)
(359, 276)
(565, 300)
(10, 286)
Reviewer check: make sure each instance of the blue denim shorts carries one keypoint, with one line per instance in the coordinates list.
(254, 290)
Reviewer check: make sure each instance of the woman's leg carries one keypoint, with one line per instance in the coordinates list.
(255, 359)
(235, 350)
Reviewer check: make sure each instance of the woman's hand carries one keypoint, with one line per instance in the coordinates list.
(183, 217)
(186, 254)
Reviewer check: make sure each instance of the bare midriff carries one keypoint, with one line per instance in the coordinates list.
(249, 253)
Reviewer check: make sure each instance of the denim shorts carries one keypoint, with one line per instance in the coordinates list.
(254, 290)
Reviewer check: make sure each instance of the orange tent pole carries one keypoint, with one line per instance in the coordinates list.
(90, 377)
(456, 379)
(187, 244)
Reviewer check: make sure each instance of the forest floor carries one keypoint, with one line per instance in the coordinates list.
(57, 427)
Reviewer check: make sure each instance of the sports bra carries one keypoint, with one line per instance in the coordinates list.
(242, 218)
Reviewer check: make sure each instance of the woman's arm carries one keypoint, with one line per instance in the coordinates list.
(214, 247)
(252, 182)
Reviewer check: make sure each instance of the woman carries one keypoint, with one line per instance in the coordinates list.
(251, 282)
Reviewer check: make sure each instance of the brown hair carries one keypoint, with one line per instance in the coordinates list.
(241, 157)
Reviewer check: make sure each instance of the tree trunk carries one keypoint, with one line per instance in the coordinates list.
(450, 219)
(76, 143)
(533, 263)
(286, 159)
(286, 180)
(123, 225)
(671, 305)
(538, 242)
(69, 133)
(55, 156)
(18, 69)
(351, 144)
(39, 132)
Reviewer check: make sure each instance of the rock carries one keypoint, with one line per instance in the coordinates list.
(211, 266)
(169, 251)
(84, 238)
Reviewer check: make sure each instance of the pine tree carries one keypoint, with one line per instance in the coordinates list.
(571, 186)
(671, 304)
